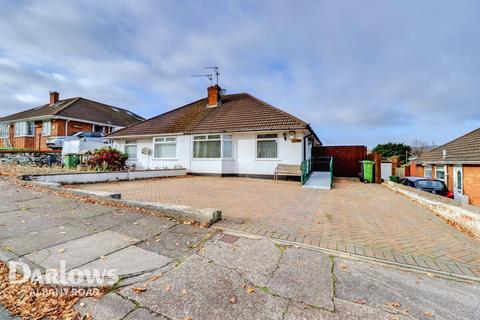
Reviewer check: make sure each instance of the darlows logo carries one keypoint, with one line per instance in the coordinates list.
(20, 272)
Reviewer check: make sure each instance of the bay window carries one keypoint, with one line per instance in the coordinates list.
(46, 128)
(207, 146)
(227, 152)
(165, 148)
(131, 149)
(267, 146)
(24, 128)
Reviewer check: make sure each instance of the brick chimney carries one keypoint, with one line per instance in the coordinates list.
(214, 95)
(54, 97)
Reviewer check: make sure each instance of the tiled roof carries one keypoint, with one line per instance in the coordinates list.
(463, 149)
(82, 109)
(237, 112)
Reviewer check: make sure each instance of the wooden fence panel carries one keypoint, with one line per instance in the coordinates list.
(346, 158)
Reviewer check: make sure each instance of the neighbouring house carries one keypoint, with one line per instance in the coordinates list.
(457, 163)
(31, 129)
(234, 134)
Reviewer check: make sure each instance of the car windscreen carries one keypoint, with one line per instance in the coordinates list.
(430, 184)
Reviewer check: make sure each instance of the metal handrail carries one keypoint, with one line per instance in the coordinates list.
(306, 168)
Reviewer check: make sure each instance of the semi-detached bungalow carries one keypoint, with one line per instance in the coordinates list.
(30, 129)
(457, 163)
(234, 134)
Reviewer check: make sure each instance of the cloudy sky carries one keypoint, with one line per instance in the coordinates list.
(361, 72)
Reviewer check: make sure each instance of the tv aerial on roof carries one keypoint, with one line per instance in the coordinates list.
(209, 76)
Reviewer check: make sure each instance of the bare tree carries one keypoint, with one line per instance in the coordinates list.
(419, 147)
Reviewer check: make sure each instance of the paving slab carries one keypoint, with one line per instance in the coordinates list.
(40, 239)
(129, 261)
(344, 310)
(304, 276)
(203, 290)
(144, 314)
(81, 251)
(110, 307)
(23, 221)
(175, 242)
(255, 259)
(106, 220)
(145, 227)
(424, 297)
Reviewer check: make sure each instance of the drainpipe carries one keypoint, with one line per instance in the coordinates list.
(66, 127)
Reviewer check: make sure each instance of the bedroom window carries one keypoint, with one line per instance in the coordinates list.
(131, 149)
(267, 146)
(427, 171)
(46, 128)
(207, 146)
(165, 148)
(24, 128)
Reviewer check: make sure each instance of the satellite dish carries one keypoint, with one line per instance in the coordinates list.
(146, 150)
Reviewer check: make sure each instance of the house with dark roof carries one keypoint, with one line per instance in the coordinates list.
(457, 163)
(233, 134)
(32, 128)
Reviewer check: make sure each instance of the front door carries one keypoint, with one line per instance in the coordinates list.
(457, 181)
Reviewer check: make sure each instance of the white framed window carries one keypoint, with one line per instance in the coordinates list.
(24, 128)
(267, 146)
(46, 128)
(165, 148)
(427, 171)
(227, 146)
(440, 173)
(131, 149)
(4, 130)
(207, 146)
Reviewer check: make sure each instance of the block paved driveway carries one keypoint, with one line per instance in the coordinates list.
(355, 218)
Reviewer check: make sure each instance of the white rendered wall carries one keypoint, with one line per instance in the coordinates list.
(244, 155)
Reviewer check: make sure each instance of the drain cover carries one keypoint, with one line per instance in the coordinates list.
(229, 238)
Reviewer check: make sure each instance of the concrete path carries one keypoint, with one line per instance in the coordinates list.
(168, 271)
(366, 220)
(319, 180)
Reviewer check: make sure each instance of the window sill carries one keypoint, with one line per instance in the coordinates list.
(25, 136)
(267, 159)
(165, 159)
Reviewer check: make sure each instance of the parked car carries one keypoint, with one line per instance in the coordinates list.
(434, 186)
(57, 142)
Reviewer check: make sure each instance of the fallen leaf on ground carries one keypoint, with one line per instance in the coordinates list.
(188, 318)
(360, 301)
(250, 290)
(233, 300)
(428, 314)
(393, 304)
(82, 304)
(139, 289)
(167, 288)
(343, 266)
(62, 250)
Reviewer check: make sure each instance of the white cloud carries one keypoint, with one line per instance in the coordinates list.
(363, 66)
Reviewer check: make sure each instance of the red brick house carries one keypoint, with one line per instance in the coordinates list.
(31, 129)
(457, 163)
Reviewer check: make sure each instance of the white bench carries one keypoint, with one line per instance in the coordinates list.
(287, 170)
